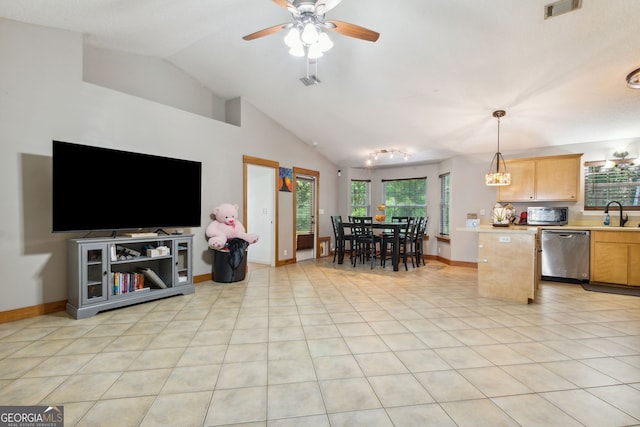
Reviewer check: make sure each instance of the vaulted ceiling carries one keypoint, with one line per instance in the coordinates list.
(428, 86)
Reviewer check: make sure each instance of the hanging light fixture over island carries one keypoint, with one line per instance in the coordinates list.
(498, 176)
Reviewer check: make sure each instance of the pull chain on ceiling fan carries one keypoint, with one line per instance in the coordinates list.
(307, 33)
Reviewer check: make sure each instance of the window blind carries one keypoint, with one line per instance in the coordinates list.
(445, 195)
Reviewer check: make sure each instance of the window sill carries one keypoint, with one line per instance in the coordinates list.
(443, 238)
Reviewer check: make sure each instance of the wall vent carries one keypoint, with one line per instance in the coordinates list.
(561, 7)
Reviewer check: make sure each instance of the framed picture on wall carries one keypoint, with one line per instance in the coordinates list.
(285, 183)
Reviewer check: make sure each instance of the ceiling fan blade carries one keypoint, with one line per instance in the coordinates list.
(266, 31)
(330, 4)
(353, 30)
(282, 3)
(286, 4)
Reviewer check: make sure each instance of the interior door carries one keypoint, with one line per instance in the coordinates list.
(261, 209)
(305, 202)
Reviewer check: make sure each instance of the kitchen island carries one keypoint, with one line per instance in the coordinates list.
(508, 267)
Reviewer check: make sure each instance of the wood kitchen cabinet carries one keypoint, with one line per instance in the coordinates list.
(615, 257)
(542, 179)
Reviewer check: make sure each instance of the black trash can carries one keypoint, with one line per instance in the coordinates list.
(222, 270)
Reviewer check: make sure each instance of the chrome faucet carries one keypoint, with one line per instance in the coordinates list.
(624, 220)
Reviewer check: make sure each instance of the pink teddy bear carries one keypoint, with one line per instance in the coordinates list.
(225, 227)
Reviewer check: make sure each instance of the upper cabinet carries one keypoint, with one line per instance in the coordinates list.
(543, 179)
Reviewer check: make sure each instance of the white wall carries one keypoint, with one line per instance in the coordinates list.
(147, 78)
(43, 97)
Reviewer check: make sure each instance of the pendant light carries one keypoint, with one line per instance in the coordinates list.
(497, 176)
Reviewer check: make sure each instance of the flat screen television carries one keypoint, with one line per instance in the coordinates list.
(99, 189)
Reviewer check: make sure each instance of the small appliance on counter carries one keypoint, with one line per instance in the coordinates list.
(523, 218)
(539, 215)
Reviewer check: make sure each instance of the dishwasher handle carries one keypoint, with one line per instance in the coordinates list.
(566, 234)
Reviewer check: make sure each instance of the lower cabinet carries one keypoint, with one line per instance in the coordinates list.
(107, 273)
(615, 257)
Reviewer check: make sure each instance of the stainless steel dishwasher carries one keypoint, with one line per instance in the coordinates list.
(565, 255)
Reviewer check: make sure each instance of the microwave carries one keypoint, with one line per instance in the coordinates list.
(547, 216)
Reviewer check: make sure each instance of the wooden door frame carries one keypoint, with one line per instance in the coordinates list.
(249, 160)
(316, 176)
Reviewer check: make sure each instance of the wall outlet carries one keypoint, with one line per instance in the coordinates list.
(439, 250)
(285, 252)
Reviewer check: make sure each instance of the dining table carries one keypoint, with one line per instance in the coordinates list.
(395, 227)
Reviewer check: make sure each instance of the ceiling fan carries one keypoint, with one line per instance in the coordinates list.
(307, 36)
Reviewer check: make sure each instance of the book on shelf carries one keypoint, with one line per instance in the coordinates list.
(127, 282)
(152, 277)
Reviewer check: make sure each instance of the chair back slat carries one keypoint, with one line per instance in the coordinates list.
(361, 225)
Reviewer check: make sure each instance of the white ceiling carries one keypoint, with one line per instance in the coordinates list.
(428, 86)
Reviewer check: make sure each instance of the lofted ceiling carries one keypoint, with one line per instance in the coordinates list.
(427, 87)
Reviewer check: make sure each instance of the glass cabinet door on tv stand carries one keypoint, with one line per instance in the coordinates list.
(112, 272)
(94, 280)
(183, 271)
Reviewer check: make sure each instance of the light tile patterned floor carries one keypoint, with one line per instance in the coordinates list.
(321, 344)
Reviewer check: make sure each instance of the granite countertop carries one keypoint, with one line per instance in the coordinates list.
(520, 229)
(532, 229)
(591, 227)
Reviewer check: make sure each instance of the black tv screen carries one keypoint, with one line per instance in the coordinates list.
(104, 189)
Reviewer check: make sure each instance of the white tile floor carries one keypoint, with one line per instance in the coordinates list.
(321, 344)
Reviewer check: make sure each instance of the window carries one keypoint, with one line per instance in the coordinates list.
(608, 181)
(445, 194)
(405, 197)
(360, 197)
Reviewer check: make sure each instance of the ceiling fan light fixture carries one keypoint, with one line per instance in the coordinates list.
(297, 51)
(500, 177)
(292, 39)
(324, 42)
(309, 35)
(314, 51)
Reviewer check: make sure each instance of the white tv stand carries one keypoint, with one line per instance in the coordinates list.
(102, 271)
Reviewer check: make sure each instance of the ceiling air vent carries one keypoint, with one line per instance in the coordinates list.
(561, 7)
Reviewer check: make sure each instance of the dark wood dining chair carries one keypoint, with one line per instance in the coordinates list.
(366, 242)
(416, 242)
(342, 239)
(386, 246)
